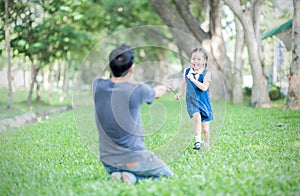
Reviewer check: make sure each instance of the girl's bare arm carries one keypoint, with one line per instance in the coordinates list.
(202, 86)
(181, 90)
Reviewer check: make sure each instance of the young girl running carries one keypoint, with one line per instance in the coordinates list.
(196, 83)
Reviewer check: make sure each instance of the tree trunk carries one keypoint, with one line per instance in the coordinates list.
(32, 82)
(178, 17)
(38, 87)
(161, 74)
(66, 78)
(65, 86)
(260, 96)
(50, 81)
(31, 58)
(8, 48)
(34, 73)
(177, 25)
(256, 17)
(24, 78)
(293, 99)
(237, 72)
(38, 91)
(58, 73)
(61, 81)
(217, 46)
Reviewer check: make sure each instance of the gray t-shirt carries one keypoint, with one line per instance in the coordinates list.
(118, 119)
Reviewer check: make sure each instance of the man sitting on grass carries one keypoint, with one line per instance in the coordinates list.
(117, 112)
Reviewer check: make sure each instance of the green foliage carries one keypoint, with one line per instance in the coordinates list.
(46, 30)
(125, 14)
(276, 13)
(275, 93)
(247, 91)
(257, 153)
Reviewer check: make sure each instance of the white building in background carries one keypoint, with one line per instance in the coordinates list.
(247, 81)
(21, 78)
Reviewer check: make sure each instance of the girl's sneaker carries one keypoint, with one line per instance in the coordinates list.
(197, 146)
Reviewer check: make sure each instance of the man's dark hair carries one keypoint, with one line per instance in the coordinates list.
(120, 60)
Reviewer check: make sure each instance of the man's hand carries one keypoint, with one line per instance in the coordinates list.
(160, 90)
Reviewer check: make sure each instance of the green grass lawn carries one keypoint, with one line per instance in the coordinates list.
(257, 153)
(20, 107)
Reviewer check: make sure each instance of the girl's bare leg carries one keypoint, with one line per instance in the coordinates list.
(197, 126)
(206, 133)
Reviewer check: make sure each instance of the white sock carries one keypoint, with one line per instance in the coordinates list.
(206, 144)
(198, 138)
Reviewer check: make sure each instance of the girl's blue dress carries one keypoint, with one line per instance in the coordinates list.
(198, 100)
